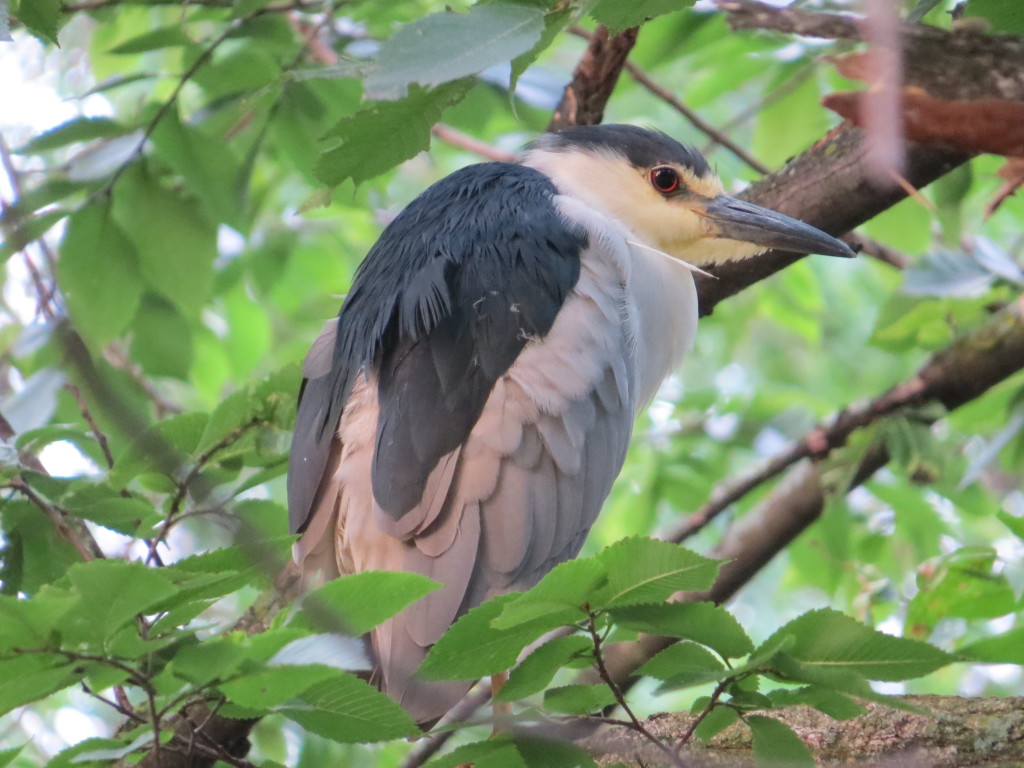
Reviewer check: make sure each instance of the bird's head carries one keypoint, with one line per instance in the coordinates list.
(667, 195)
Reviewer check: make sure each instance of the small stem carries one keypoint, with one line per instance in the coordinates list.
(602, 671)
(183, 487)
(88, 549)
(449, 135)
(93, 426)
(715, 696)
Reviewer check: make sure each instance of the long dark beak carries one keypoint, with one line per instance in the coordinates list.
(734, 219)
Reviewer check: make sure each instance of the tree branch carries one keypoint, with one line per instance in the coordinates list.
(953, 731)
(958, 374)
(829, 187)
(594, 79)
(456, 138)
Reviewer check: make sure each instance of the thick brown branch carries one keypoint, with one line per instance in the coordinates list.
(830, 187)
(594, 79)
(960, 64)
(986, 732)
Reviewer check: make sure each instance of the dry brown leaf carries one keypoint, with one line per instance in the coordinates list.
(975, 125)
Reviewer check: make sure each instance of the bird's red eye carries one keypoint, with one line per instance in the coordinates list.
(665, 179)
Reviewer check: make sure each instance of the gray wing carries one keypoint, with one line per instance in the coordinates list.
(519, 489)
(442, 306)
(522, 492)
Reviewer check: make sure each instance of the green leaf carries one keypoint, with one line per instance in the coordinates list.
(578, 699)
(921, 9)
(98, 272)
(642, 570)
(1007, 648)
(175, 242)
(775, 744)
(123, 515)
(249, 332)
(705, 623)
(841, 679)
(34, 554)
(33, 623)
(162, 339)
(8, 755)
(537, 670)
(78, 129)
(1005, 16)
(776, 137)
(360, 601)
(547, 753)
(347, 710)
(555, 20)
(213, 659)
(42, 17)
(274, 685)
(497, 752)
(209, 167)
(379, 138)
(337, 651)
(683, 661)
(836, 705)
(473, 648)
(233, 412)
(558, 596)
(101, 750)
(422, 52)
(830, 640)
(716, 721)
(23, 230)
(30, 677)
(618, 15)
(113, 592)
(172, 36)
(964, 584)
(161, 448)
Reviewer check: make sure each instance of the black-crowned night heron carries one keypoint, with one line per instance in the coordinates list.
(465, 415)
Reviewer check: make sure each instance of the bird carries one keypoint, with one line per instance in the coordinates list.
(466, 413)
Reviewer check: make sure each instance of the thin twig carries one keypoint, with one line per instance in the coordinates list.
(696, 120)
(463, 712)
(165, 107)
(117, 359)
(602, 671)
(715, 696)
(88, 550)
(45, 304)
(115, 705)
(93, 426)
(751, 110)
(874, 249)
(449, 135)
(183, 487)
(817, 444)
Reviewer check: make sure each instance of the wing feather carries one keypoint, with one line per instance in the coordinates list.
(480, 484)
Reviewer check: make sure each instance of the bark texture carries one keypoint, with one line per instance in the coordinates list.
(949, 732)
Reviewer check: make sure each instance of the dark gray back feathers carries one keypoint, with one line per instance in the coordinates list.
(443, 304)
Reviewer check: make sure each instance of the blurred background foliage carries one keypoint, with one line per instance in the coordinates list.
(180, 184)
